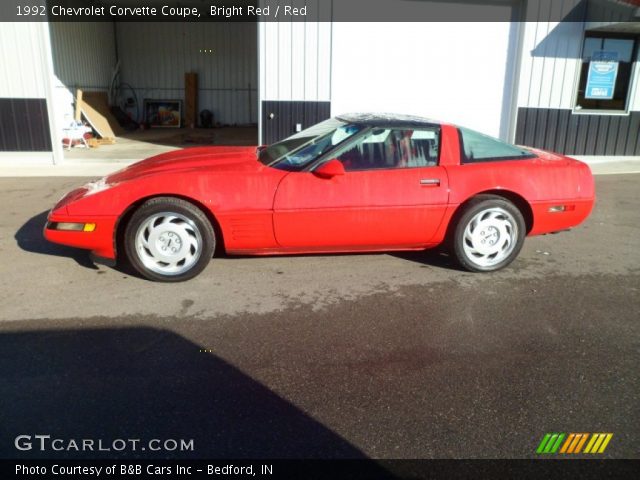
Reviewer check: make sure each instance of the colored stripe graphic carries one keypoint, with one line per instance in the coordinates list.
(567, 443)
(543, 443)
(572, 443)
(577, 441)
(581, 442)
(555, 447)
(598, 443)
(550, 443)
(605, 443)
(591, 443)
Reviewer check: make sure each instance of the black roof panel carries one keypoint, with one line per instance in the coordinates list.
(387, 120)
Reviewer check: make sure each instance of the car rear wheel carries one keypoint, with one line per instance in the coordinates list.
(169, 240)
(489, 234)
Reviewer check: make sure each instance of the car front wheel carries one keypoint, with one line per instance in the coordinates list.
(169, 239)
(489, 234)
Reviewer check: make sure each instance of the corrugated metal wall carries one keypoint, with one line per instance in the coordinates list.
(22, 73)
(549, 74)
(24, 116)
(24, 125)
(155, 56)
(84, 54)
(295, 61)
(551, 59)
(281, 118)
(551, 54)
(295, 76)
(559, 130)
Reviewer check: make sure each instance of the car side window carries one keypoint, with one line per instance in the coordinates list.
(316, 147)
(383, 148)
(477, 147)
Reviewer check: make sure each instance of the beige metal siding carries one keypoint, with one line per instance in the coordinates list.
(22, 71)
(295, 61)
(83, 53)
(550, 57)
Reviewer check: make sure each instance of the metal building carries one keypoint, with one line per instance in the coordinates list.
(526, 82)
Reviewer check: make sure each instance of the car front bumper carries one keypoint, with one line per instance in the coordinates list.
(94, 233)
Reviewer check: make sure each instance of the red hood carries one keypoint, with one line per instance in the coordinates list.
(206, 158)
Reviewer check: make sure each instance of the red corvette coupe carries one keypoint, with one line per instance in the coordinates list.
(353, 183)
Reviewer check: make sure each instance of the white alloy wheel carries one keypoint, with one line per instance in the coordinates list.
(490, 237)
(488, 234)
(169, 239)
(168, 243)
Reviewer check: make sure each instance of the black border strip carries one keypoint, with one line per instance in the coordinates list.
(323, 469)
(320, 10)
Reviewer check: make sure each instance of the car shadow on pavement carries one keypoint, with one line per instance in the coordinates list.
(145, 383)
(434, 257)
(31, 239)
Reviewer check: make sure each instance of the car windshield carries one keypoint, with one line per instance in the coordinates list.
(294, 152)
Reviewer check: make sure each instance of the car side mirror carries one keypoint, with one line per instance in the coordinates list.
(330, 169)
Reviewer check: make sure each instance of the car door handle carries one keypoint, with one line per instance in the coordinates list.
(430, 182)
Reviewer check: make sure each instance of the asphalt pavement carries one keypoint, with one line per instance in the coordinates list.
(334, 356)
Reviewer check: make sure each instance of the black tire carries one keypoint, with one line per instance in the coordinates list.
(511, 231)
(186, 226)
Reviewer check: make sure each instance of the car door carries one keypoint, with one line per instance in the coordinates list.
(392, 194)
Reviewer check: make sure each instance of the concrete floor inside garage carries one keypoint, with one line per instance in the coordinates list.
(141, 144)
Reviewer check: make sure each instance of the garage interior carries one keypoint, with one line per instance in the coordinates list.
(146, 88)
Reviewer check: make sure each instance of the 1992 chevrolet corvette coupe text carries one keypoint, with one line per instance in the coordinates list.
(353, 183)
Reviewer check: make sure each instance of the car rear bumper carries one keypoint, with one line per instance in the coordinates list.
(558, 215)
(90, 233)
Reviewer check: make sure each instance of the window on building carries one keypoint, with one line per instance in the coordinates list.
(606, 72)
(387, 148)
(477, 147)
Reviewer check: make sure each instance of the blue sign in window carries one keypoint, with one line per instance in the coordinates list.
(603, 71)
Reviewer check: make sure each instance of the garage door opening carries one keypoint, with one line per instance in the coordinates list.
(125, 91)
